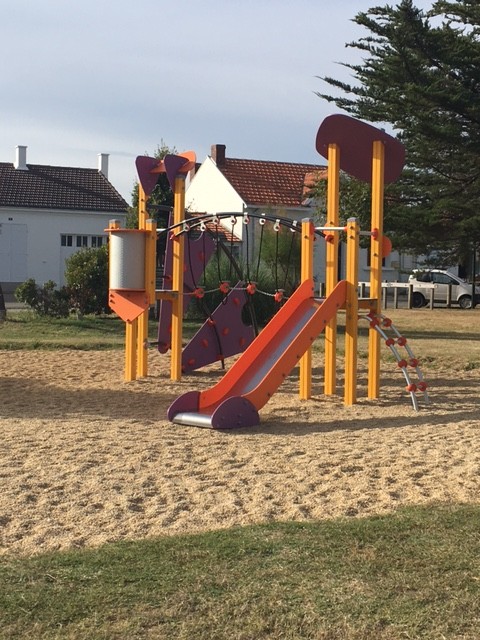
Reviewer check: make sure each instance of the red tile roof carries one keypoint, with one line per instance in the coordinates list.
(46, 187)
(263, 182)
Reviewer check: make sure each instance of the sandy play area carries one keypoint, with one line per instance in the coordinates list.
(87, 459)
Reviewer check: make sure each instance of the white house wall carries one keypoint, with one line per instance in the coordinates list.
(44, 229)
(210, 192)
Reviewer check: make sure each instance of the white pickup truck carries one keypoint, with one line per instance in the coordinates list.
(461, 291)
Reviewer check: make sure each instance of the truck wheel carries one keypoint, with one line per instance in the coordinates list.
(418, 300)
(465, 302)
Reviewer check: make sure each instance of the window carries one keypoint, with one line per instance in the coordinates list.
(80, 241)
(98, 241)
(443, 278)
(424, 276)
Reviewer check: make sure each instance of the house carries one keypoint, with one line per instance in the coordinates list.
(237, 186)
(49, 212)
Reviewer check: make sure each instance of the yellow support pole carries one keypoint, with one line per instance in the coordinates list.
(306, 273)
(331, 265)
(351, 320)
(177, 279)
(142, 333)
(150, 258)
(376, 243)
(131, 335)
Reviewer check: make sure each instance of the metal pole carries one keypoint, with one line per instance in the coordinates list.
(306, 274)
(378, 164)
(331, 269)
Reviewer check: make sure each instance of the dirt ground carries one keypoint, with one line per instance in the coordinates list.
(86, 458)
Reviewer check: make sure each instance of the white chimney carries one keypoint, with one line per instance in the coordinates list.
(21, 158)
(103, 164)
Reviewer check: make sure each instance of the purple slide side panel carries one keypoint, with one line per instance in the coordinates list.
(188, 402)
(233, 413)
(222, 335)
(148, 180)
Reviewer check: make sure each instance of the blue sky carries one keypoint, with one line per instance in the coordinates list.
(116, 76)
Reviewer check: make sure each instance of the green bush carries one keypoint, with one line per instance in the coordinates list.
(46, 300)
(86, 275)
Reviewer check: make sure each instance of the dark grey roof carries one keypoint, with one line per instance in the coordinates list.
(46, 187)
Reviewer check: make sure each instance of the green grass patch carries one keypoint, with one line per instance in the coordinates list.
(25, 330)
(415, 574)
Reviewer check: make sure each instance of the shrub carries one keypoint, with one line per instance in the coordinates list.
(86, 275)
(46, 300)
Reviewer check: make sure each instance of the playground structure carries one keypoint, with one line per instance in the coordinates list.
(357, 148)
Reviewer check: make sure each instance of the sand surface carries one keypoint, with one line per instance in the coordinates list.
(86, 458)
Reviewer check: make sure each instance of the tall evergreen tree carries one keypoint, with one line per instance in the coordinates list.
(421, 74)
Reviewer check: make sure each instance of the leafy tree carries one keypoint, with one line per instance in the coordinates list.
(280, 254)
(421, 74)
(86, 274)
(355, 200)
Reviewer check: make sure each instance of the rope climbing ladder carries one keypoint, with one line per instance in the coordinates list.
(382, 324)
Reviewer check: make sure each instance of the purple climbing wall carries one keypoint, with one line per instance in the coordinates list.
(222, 335)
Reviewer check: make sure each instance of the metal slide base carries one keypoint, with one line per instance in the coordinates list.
(232, 413)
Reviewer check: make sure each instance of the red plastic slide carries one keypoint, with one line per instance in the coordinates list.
(260, 370)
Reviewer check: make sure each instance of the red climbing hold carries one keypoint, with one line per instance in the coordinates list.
(389, 342)
(422, 386)
(411, 388)
(251, 288)
(402, 364)
(224, 287)
(413, 362)
(402, 341)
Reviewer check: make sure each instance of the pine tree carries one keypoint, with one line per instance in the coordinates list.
(421, 74)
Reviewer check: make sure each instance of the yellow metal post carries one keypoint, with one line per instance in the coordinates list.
(331, 265)
(131, 335)
(376, 243)
(177, 278)
(150, 258)
(142, 334)
(306, 273)
(351, 320)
